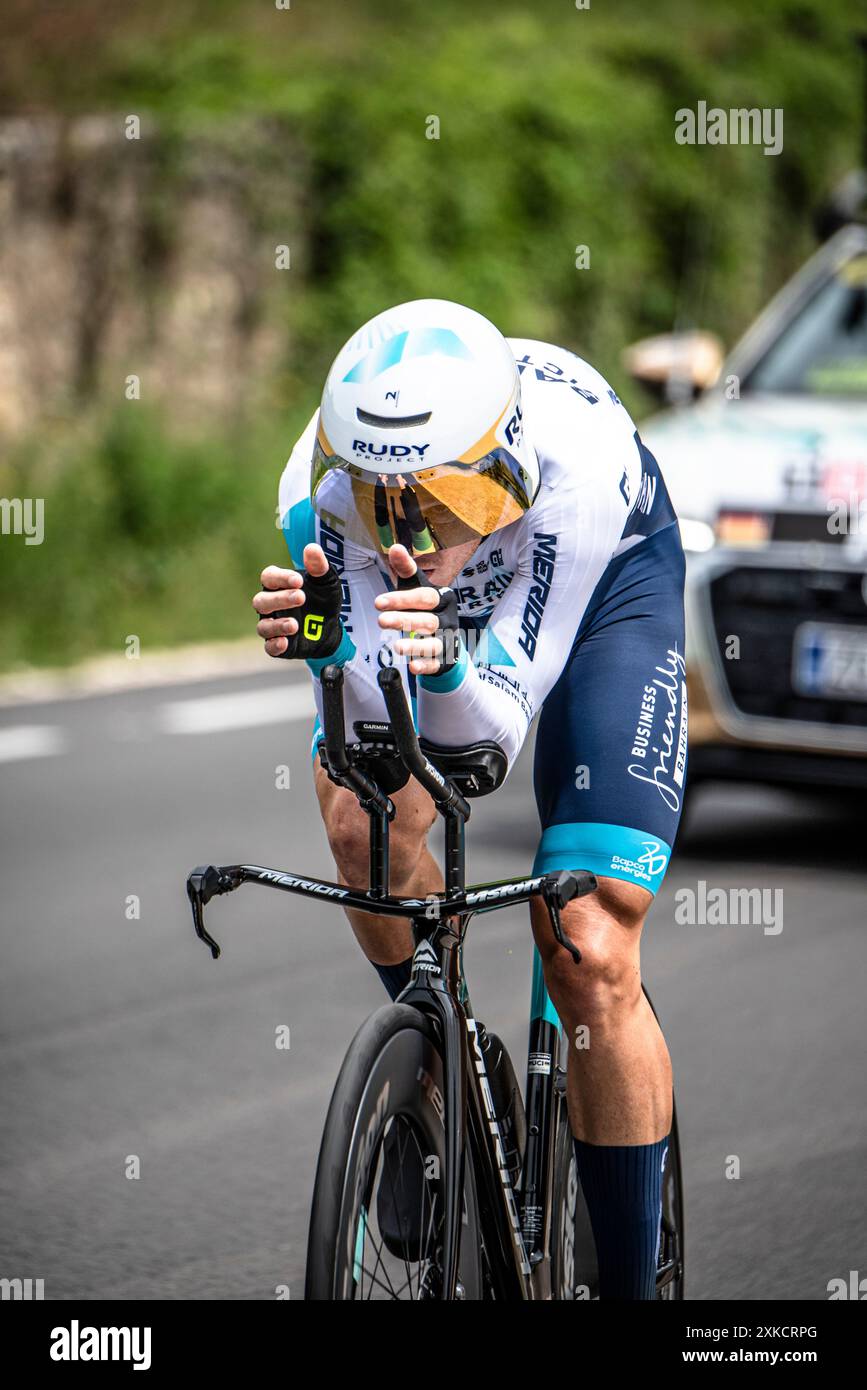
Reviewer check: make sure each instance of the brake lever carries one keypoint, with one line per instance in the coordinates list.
(204, 883)
(559, 889)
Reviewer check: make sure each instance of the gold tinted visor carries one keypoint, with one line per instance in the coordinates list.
(430, 509)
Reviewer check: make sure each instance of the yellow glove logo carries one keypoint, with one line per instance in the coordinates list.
(313, 625)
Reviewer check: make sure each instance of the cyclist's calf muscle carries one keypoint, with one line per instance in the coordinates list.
(413, 870)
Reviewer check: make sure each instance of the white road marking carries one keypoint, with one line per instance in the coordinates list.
(30, 741)
(246, 710)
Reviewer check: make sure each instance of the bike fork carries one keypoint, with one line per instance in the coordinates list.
(437, 997)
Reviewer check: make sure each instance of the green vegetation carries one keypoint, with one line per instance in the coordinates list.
(144, 533)
(556, 130)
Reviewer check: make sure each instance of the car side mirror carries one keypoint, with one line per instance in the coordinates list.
(675, 367)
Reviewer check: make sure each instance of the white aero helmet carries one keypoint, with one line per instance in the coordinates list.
(420, 438)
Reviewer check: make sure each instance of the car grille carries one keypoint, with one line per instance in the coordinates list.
(764, 607)
(805, 526)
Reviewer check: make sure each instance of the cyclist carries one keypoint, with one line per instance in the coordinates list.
(483, 512)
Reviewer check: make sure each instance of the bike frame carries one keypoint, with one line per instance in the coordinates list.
(516, 1223)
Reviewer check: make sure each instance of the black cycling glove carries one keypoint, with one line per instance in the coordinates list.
(320, 630)
(449, 630)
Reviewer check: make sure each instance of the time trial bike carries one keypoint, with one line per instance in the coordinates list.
(436, 1178)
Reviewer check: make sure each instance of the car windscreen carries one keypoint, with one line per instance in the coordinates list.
(823, 350)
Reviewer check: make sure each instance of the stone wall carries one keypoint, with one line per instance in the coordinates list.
(151, 257)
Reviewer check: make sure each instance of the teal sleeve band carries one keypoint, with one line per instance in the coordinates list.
(299, 529)
(345, 652)
(448, 680)
(314, 742)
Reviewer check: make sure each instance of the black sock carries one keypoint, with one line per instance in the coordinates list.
(622, 1187)
(394, 977)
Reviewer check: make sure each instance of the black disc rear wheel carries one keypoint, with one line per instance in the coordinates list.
(574, 1272)
(669, 1265)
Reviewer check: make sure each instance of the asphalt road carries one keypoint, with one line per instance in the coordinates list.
(120, 1037)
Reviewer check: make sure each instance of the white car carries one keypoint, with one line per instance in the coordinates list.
(767, 469)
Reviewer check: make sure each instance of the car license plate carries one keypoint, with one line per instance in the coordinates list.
(830, 660)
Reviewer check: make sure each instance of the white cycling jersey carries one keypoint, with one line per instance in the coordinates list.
(527, 586)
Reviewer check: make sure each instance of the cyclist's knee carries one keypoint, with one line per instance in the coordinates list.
(347, 828)
(606, 927)
(348, 831)
(409, 829)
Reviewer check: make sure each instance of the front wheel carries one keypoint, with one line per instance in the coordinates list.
(377, 1219)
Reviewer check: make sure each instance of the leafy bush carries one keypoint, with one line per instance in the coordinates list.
(144, 533)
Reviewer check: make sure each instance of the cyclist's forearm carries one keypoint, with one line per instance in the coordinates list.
(471, 704)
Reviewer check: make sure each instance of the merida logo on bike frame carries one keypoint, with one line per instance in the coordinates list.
(425, 958)
(544, 557)
(309, 885)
